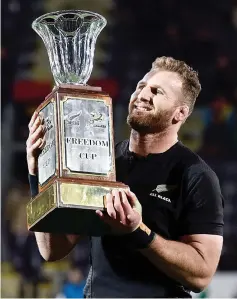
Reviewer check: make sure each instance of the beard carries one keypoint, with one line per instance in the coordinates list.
(149, 121)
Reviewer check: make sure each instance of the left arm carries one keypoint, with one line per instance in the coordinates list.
(192, 261)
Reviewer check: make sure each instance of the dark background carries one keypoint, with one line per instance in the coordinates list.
(202, 33)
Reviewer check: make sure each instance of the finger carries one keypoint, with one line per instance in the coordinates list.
(33, 118)
(39, 133)
(34, 137)
(126, 205)
(110, 206)
(43, 142)
(118, 206)
(42, 120)
(99, 213)
(35, 125)
(104, 217)
(41, 116)
(131, 198)
(36, 146)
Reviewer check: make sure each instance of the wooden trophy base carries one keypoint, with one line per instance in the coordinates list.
(68, 206)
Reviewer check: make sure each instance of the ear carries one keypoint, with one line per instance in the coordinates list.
(181, 113)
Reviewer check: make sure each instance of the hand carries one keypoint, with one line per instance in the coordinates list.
(122, 214)
(35, 142)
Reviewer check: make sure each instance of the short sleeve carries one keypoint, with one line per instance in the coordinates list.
(203, 203)
(33, 181)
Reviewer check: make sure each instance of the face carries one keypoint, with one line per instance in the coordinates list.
(155, 102)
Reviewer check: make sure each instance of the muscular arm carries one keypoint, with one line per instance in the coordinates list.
(51, 246)
(54, 247)
(192, 261)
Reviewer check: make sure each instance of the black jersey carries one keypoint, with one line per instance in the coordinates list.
(180, 194)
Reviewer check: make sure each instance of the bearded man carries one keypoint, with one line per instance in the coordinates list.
(174, 246)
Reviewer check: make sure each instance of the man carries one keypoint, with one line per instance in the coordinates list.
(174, 247)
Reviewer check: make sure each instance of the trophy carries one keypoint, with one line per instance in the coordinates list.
(76, 167)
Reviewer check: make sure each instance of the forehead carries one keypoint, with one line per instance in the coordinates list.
(169, 81)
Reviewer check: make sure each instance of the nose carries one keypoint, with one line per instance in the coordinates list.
(145, 94)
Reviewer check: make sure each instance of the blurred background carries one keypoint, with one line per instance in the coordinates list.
(202, 33)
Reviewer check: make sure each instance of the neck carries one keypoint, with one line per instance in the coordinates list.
(144, 144)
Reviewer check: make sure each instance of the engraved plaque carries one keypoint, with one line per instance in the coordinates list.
(39, 207)
(87, 144)
(47, 158)
(77, 164)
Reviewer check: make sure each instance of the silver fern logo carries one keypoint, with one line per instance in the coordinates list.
(72, 119)
(162, 188)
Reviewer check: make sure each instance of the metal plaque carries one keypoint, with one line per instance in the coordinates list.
(47, 158)
(87, 143)
(43, 203)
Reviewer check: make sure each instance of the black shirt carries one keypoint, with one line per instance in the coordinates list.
(180, 194)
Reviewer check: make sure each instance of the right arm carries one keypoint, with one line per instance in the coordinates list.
(52, 247)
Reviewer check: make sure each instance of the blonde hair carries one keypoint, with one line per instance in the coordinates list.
(189, 77)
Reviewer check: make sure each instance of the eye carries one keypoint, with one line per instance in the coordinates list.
(159, 90)
(140, 87)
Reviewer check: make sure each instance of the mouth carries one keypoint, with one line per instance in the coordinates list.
(142, 108)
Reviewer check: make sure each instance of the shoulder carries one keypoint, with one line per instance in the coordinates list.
(193, 165)
(197, 175)
(201, 197)
(199, 180)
